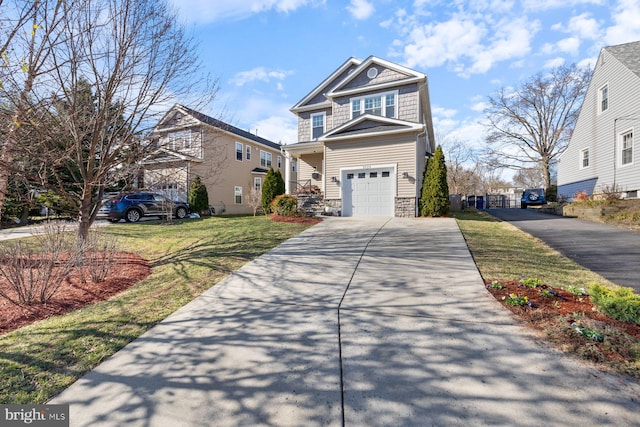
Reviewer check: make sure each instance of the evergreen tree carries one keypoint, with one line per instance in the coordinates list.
(280, 187)
(269, 190)
(198, 196)
(435, 191)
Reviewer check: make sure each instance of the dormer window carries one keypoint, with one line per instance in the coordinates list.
(379, 105)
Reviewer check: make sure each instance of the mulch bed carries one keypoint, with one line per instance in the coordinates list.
(564, 304)
(127, 270)
(296, 219)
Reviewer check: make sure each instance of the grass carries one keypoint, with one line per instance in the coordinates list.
(40, 360)
(503, 252)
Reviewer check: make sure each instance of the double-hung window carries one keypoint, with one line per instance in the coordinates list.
(239, 151)
(265, 159)
(248, 153)
(584, 158)
(378, 105)
(237, 195)
(317, 125)
(279, 162)
(627, 148)
(603, 95)
(257, 183)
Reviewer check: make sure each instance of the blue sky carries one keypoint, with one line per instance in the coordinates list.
(268, 54)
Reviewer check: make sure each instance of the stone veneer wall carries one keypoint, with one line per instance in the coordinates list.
(405, 207)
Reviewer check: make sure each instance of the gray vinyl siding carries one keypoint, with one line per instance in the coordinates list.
(596, 132)
(399, 150)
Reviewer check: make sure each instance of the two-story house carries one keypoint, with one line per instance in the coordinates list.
(364, 135)
(602, 155)
(229, 161)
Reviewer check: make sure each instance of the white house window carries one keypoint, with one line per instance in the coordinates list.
(317, 125)
(179, 140)
(265, 159)
(237, 195)
(604, 98)
(248, 153)
(239, 151)
(257, 183)
(279, 162)
(584, 158)
(294, 166)
(627, 148)
(379, 105)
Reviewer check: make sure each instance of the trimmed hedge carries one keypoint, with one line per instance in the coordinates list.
(619, 303)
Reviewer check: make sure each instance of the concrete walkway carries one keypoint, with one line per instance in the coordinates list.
(383, 322)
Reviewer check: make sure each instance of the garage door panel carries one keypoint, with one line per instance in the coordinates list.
(369, 193)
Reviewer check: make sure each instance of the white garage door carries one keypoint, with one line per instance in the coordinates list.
(368, 192)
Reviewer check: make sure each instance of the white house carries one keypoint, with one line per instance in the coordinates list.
(602, 155)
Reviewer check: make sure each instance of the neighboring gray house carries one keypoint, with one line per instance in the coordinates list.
(602, 155)
(364, 135)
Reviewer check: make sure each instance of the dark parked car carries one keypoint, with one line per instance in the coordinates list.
(133, 206)
(532, 196)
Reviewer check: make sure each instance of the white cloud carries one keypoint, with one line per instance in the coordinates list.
(361, 9)
(259, 74)
(626, 27)
(468, 45)
(541, 5)
(204, 11)
(437, 111)
(569, 45)
(278, 128)
(555, 62)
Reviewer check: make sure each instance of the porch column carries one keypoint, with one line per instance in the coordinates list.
(287, 172)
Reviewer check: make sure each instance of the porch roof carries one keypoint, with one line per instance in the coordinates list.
(304, 148)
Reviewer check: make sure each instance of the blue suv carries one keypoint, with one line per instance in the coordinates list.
(133, 206)
(532, 196)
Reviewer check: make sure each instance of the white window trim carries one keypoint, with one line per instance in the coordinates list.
(241, 151)
(266, 153)
(383, 95)
(279, 162)
(582, 158)
(633, 146)
(237, 190)
(257, 180)
(247, 154)
(600, 110)
(324, 123)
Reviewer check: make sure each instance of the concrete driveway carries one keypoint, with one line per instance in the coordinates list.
(377, 322)
(612, 252)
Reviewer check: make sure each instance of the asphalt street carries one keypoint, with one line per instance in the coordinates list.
(611, 251)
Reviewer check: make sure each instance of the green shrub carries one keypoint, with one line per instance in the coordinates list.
(272, 186)
(619, 303)
(434, 199)
(285, 205)
(198, 196)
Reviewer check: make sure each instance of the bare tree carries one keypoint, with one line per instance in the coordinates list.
(460, 159)
(254, 199)
(530, 126)
(528, 178)
(28, 30)
(110, 67)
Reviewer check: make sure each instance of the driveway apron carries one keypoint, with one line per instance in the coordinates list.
(376, 322)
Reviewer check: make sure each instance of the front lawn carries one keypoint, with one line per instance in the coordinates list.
(548, 291)
(39, 360)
